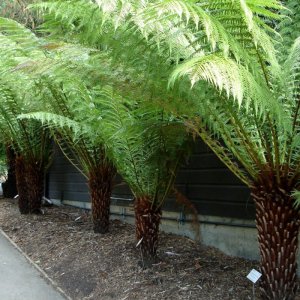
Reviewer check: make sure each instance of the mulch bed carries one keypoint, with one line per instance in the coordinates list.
(93, 266)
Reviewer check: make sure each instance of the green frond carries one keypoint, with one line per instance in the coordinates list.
(245, 93)
(55, 121)
(19, 34)
(71, 16)
(225, 74)
(146, 144)
(289, 27)
(296, 195)
(222, 153)
(293, 60)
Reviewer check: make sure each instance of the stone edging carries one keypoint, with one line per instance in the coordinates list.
(52, 282)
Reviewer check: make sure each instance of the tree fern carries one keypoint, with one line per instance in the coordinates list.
(242, 105)
(145, 26)
(32, 145)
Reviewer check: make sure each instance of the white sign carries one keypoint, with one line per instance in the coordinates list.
(254, 276)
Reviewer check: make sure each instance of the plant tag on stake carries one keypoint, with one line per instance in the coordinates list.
(254, 276)
(139, 242)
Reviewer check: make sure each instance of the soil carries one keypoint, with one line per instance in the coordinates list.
(94, 266)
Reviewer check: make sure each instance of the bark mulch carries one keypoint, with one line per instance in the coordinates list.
(94, 266)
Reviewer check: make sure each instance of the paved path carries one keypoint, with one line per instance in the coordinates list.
(19, 280)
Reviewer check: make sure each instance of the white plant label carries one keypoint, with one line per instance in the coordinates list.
(254, 276)
(139, 242)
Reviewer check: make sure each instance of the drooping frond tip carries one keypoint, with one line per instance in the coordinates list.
(223, 73)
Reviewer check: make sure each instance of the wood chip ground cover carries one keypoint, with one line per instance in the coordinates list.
(93, 266)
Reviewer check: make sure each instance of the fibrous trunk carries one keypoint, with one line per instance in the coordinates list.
(22, 185)
(35, 185)
(100, 184)
(147, 218)
(277, 222)
(10, 185)
(30, 185)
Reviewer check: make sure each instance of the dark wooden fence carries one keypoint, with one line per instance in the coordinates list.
(205, 181)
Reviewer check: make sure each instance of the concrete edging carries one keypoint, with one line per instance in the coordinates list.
(32, 263)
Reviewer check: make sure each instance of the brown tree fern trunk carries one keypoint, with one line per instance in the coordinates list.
(35, 183)
(22, 185)
(100, 185)
(10, 185)
(147, 219)
(277, 222)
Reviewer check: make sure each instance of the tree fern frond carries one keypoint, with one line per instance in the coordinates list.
(19, 34)
(55, 121)
(289, 27)
(293, 59)
(225, 74)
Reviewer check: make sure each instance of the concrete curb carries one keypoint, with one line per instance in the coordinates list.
(43, 273)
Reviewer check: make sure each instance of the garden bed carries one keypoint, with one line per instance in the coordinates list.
(93, 266)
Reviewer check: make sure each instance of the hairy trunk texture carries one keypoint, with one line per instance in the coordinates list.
(100, 185)
(10, 185)
(147, 218)
(22, 185)
(35, 183)
(277, 222)
(30, 185)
